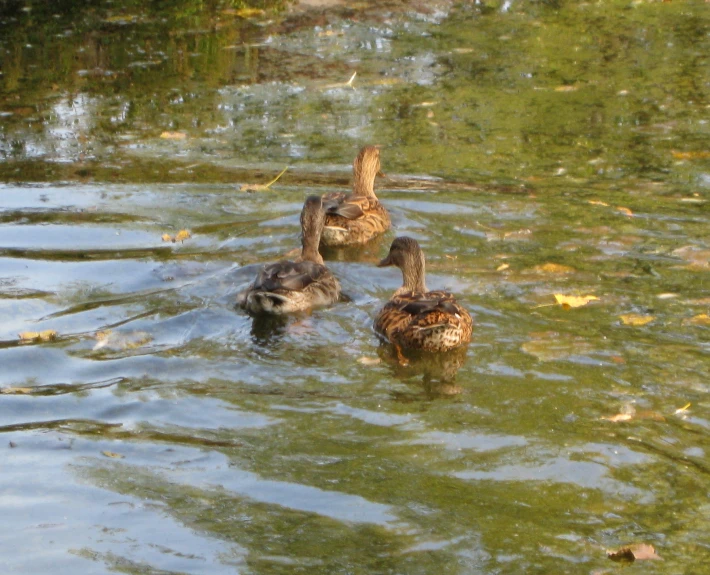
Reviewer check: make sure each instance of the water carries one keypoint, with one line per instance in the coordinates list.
(165, 431)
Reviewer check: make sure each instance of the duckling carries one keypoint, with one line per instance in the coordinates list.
(415, 317)
(358, 217)
(290, 286)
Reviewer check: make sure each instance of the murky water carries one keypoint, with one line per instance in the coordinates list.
(533, 148)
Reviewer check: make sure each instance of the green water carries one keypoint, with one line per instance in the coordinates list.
(511, 134)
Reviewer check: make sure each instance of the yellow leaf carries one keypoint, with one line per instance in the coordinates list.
(618, 417)
(167, 238)
(636, 319)
(682, 410)
(698, 155)
(243, 12)
(173, 135)
(568, 301)
(550, 268)
(565, 88)
(46, 335)
(112, 454)
(502, 267)
(369, 360)
(631, 553)
(261, 187)
(598, 203)
(182, 235)
(16, 390)
(700, 319)
(625, 211)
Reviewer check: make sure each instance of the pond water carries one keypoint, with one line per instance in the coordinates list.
(533, 148)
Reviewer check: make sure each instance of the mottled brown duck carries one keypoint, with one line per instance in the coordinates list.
(290, 286)
(415, 317)
(358, 217)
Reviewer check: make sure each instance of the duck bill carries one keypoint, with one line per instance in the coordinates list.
(385, 262)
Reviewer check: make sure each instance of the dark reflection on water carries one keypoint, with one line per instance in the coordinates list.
(164, 430)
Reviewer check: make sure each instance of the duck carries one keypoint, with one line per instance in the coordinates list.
(415, 317)
(358, 217)
(289, 286)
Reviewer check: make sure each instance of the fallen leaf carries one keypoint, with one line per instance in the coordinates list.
(261, 187)
(448, 257)
(243, 12)
(502, 267)
(700, 319)
(636, 552)
(173, 135)
(636, 319)
(625, 211)
(16, 390)
(598, 203)
(112, 454)
(46, 335)
(698, 155)
(667, 295)
(369, 360)
(565, 88)
(618, 417)
(182, 235)
(551, 268)
(570, 301)
(682, 410)
(121, 341)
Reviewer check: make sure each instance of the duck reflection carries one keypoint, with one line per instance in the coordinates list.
(436, 371)
(269, 329)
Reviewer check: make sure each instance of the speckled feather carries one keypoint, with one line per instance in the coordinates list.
(358, 217)
(430, 321)
(353, 219)
(286, 287)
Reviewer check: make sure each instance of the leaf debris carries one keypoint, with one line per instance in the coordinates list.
(46, 335)
(261, 187)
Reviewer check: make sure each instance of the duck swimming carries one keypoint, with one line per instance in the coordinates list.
(415, 317)
(358, 217)
(290, 286)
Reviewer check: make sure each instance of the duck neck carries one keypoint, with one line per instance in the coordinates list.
(310, 252)
(413, 276)
(364, 181)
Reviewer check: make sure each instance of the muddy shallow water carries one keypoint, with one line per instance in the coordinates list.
(533, 148)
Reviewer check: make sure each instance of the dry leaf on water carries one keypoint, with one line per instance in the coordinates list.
(121, 341)
(181, 236)
(16, 390)
(566, 89)
(636, 552)
(570, 301)
(112, 454)
(699, 155)
(261, 187)
(700, 319)
(598, 203)
(628, 412)
(502, 267)
(625, 211)
(46, 335)
(552, 268)
(682, 410)
(636, 319)
(173, 135)
(243, 12)
(369, 360)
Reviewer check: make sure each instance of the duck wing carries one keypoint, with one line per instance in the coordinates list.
(345, 205)
(288, 275)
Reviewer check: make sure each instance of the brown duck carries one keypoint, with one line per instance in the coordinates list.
(289, 286)
(358, 217)
(415, 317)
